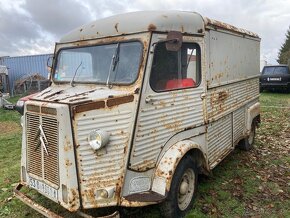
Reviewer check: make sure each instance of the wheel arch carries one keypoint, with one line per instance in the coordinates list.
(253, 115)
(168, 163)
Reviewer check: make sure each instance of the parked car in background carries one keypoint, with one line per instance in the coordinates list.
(276, 77)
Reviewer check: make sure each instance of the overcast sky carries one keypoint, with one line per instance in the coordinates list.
(33, 26)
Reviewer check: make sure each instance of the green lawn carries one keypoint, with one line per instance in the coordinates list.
(245, 184)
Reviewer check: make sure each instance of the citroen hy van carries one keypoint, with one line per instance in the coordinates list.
(139, 105)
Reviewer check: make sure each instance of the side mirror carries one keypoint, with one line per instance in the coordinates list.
(49, 65)
(49, 62)
(173, 41)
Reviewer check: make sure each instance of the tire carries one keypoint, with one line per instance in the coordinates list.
(247, 143)
(182, 191)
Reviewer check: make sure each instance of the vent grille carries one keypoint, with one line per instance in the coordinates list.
(39, 163)
(34, 155)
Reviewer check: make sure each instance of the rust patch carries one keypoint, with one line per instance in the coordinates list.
(48, 110)
(116, 27)
(73, 198)
(173, 126)
(101, 41)
(33, 108)
(222, 96)
(89, 106)
(151, 27)
(44, 211)
(121, 100)
(127, 203)
(90, 196)
(218, 24)
(145, 165)
(67, 147)
(68, 163)
(137, 90)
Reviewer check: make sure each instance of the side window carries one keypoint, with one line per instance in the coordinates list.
(175, 69)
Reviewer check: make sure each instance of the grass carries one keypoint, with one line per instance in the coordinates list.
(10, 145)
(245, 184)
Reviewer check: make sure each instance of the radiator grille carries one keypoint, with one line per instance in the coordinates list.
(39, 163)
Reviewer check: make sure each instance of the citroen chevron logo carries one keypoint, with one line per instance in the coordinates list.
(41, 140)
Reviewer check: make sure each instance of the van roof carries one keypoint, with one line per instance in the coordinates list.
(144, 21)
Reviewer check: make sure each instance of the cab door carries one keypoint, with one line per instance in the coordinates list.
(172, 98)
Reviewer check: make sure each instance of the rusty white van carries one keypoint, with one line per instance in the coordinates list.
(139, 105)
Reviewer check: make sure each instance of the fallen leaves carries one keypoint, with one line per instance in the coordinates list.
(259, 180)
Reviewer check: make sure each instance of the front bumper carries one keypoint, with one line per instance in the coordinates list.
(275, 85)
(46, 212)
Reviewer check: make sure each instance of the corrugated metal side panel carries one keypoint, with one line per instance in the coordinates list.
(225, 99)
(169, 113)
(105, 167)
(239, 124)
(25, 65)
(219, 139)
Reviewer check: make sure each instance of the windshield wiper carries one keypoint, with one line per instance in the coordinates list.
(114, 62)
(72, 80)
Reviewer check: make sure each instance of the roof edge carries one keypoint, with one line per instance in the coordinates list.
(225, 26)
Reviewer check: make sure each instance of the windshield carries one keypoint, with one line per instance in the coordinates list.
(275, 70)
(94, 64)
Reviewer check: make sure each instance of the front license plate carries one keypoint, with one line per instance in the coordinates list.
(43, 188)
(274, 79)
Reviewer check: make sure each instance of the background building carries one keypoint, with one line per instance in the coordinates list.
(22, 67)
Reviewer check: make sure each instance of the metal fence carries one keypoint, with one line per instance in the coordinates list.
(21, 66)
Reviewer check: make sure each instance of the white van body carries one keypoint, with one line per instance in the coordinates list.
(90, 144)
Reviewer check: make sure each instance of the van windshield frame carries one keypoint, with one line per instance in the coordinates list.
(95, 62)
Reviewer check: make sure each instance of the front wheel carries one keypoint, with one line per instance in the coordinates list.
(182, 191)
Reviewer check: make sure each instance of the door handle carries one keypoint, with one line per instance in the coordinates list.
(202, 95)
(148, 99)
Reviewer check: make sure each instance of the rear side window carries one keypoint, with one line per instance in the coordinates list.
(175, 69)
(275, 70)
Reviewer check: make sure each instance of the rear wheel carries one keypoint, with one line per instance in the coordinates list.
(182, 191)
(248, 142)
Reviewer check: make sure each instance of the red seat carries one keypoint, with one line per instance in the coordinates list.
(179, 83)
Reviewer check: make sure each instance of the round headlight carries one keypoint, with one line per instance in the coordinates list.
(20, 106)
(98, 139)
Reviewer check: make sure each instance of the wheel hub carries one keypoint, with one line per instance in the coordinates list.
(183, 187)
(186, 189)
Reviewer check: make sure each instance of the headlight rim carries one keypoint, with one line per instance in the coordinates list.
(96, 143)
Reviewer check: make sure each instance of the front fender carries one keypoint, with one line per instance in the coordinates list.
(168, 163)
